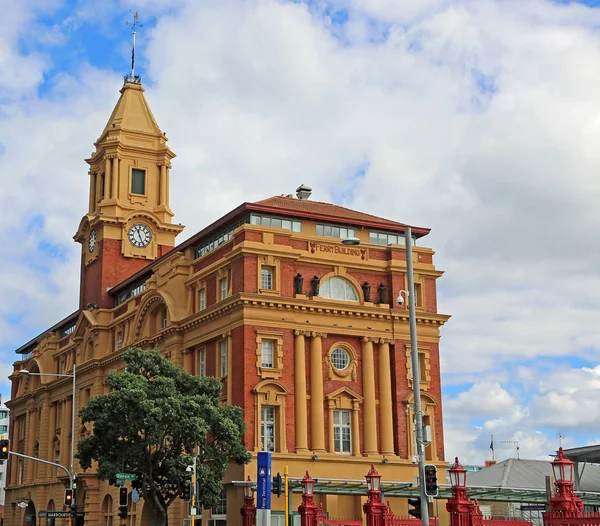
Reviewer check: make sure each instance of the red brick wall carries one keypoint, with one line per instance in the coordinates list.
(108, 270)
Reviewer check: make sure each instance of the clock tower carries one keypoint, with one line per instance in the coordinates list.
(128, 223)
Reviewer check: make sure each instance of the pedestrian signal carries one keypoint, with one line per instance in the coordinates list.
(431, 485)
(123, 497)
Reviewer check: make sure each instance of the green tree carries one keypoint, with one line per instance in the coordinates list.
(151, 423)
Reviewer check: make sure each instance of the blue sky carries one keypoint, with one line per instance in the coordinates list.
(477, 118)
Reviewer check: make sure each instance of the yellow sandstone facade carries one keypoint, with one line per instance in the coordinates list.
(303, 331)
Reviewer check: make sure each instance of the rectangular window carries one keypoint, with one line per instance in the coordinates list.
(276, 222)
(202, 362)
(266, 282)
(102, 184)
(385, 238)
(223, 358)
(267, 428)
(119, 341)
(422, 368)
(221, 507)
(223, 288)
(267, 348)
(138, 181)
(418, 295)
(342, 432)
(202, 299)
(20, 472)
(340, 232)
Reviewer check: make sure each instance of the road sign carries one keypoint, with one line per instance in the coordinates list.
(135, 495)
(263, 489)
(125, 476)
(193, 511)
(533, 507)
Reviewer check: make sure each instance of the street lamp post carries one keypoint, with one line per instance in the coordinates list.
(72, 474)
(414, 356)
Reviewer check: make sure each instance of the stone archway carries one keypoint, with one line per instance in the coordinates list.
(30, 515)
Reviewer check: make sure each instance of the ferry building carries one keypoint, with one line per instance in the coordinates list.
(303, 332)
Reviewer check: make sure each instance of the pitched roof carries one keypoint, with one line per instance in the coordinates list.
(308, 206)
(529, 474)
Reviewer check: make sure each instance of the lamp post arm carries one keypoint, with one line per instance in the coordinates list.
(46, 462)
(416, 375)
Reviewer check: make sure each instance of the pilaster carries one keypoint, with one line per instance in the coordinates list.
(317, 417)
(386, 421)
(369, 411)
(300, 391)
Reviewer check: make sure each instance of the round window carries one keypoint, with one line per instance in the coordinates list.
(340, 359)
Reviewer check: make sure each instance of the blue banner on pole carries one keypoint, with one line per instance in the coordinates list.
(263, 486)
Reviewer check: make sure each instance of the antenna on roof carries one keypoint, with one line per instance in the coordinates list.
(134, 25)
(513, 442)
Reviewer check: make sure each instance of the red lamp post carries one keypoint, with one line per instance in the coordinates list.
(459, 506)
(374, 509)
(248, 509)
(308, 510)
(564, 503)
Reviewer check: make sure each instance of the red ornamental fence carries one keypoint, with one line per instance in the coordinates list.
(323, 520)
(586, 519)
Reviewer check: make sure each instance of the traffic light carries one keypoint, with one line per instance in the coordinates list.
(187, 490)
(431, 485)
(69, 497)
(416, 503)
(123, 512)
(277, 488)
(122, 497)
(4, 449)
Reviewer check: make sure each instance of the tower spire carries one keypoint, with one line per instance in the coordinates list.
(134, 25)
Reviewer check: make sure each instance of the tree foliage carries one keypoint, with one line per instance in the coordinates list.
(152, 422)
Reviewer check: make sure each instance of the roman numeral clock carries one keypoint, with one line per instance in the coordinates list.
(139, 235)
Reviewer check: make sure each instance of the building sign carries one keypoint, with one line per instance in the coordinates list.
(263, 489)
(337, 249)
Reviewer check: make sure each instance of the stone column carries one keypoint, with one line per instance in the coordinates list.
(29, 445)
(386, 420)
(168, 171)
(44, 428)
(369, 411)
(317, 417)
(107, 178)
(163, 185)
(229, 368)
(93, 176)
(52, 408)
(300, 392)
(114, 186)
(330, 440)
(355, 429)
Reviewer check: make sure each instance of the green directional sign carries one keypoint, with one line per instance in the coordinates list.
(126, 476)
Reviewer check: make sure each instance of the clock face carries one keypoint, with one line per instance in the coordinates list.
(140, 235)
(92, 240)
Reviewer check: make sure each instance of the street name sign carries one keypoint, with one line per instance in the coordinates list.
(125, 476)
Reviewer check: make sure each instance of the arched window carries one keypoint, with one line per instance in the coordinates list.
(337, 288)
(107, 511)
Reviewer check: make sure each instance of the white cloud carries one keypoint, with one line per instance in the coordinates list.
(477, 118)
